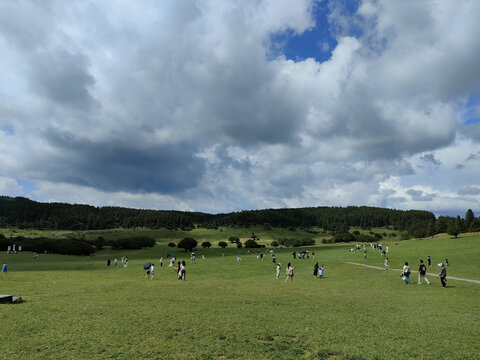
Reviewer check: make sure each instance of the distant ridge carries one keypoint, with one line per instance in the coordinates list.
(25, 213)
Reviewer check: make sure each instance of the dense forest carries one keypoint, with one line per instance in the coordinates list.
(24, 213)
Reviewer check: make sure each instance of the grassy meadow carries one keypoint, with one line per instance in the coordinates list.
(77, 308)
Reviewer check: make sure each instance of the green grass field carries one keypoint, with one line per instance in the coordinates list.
(77, 308)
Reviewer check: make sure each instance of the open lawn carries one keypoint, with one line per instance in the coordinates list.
(77, 308)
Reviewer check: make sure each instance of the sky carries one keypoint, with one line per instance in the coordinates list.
(220, 106)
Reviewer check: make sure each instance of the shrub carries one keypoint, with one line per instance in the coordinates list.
(344, 237)
(171, 244)
(274, 243)
(296, 242)
(222, 244)
(187, 244)
(251, 244)
(206, 244)
(133, 243)
(234, 239)
(56, 246)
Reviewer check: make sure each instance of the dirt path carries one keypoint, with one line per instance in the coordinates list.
(413, 271)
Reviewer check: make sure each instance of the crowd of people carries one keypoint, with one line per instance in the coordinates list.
(318, 270)
(406, 271)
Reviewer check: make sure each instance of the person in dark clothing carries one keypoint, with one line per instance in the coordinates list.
(422, 272)
(315, 270)
(108, 262)
(429, 261)
(442, 274)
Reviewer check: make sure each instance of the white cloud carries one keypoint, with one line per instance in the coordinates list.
(10, 187)
(179, 104)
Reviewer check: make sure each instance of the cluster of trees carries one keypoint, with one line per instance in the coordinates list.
(55, 246)
(73, 246)
(457, 225)
(24, 213)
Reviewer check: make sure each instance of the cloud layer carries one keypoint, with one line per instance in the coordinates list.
(191, 104)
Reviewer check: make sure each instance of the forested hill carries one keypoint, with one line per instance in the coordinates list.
(24, 213)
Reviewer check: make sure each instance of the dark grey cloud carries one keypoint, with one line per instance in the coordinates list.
(473, 156)
(418, 195)
(64, 78)
(118, 165)
(470, 190)
(429, 160)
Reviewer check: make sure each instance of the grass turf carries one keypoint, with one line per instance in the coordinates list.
(77, 308)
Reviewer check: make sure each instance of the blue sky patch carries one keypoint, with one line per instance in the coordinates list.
(470, 113)
(317, 43)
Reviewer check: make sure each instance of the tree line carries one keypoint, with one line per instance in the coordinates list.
(24, 213)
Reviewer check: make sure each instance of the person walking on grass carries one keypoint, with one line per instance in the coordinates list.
(315, 270)
(429, 260)
(406, 273)
(278, 270)
(161, 261)
(152, 271)
(183, 271)
(4, 268)
(442, 274)
(387, 264)
(179, 270)
(289, 272)
(320, 272)
(422, 272)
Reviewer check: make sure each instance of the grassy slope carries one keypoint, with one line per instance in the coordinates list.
(77, 308)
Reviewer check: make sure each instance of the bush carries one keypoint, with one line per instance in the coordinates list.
(251, 244)
(171, 244)
(296, 242)
(344, 237)
(206, 244)
(274, 243)
(187, 244)
(133, 243)
(233, 239)
(222, 244)
(55, 246)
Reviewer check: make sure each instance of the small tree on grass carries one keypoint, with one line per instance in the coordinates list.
(187, 244)
(171, 244)
(233, 239)
(222, 244)
(453, 230)
(250, 244)
(206, 244)
(274, 243)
